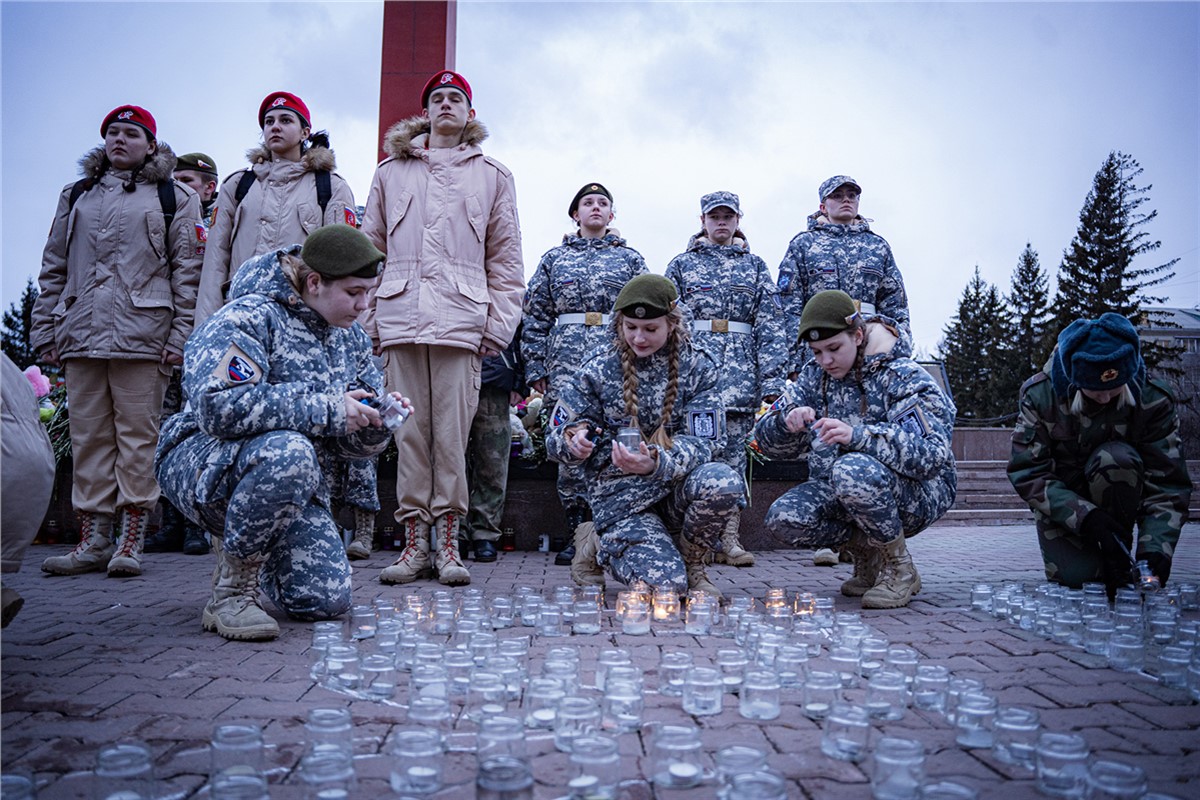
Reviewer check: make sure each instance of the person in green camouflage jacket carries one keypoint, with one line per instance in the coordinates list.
(1096, 452)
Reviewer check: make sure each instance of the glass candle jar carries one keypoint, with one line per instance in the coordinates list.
(887, 696)
(672, 671)
(844, 662)
(732, 663)
(575, 717)
(634, 614)
(676, 757)
(698, 617)
(929, 688)
(124, 771)
(608, 659)
(586, 618)
(845, 732)
(379, 676)
(702, 691)
(975, 719)
(759, 697)
(597, 768)
(666, 606)
(541, 702)
(791, 662)
(736, 759)
(622, 705)
(1096, 635)
(1115, 780)
(1061, 761)
(899, 769)
(1016, 731)
(1126, 652)
(821, 691)
(236, 751)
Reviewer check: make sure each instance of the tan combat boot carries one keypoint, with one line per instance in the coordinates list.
(364, 535)
(413, 562)
(825, 557)
(584, 569)
(235, 611)
(732, 552)
(867, 561)
(898, 580)
(447, 558)
(93, 552)
(694, 557)
(127, 560)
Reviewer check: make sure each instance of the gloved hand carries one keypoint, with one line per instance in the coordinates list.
(1115, 559)
(1160, 565)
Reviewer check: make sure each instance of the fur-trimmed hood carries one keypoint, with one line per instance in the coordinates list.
(315, 158)
(160, 167)
(701, 239)
(407, 136)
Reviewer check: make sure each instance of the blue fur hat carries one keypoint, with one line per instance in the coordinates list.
(1098, 354)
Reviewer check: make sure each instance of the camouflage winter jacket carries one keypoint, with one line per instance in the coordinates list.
(578, 276)
(848, 257)
(1050, 446)
(727, 282)
(697, 427)
(267, 362)
(898, 413)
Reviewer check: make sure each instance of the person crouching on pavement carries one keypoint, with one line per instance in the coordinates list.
(877, 430)
(278, 383)
(667, 480)
(1095, 452)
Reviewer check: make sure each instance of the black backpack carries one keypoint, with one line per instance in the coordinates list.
(166, 197)
(324, 188)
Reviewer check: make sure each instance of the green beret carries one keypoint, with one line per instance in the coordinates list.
(647, 297)
(827, 314)
(340, 251)
(197, 161)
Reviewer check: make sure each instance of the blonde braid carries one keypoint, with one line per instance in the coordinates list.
(629, 378)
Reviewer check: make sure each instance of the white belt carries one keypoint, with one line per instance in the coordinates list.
(722, 326)
(586, 318)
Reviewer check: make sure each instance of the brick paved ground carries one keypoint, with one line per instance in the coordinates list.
(92, 659)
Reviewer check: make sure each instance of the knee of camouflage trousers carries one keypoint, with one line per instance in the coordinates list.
(712, 494)
(1067, 558)
(807, 515)
(866, 489)
(1115, 476)
(307, 574)
(277, 475)
(639, 547)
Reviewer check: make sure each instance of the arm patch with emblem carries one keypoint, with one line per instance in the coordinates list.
(912, 419)
(563, 414)
(236, 368)
(705, 423)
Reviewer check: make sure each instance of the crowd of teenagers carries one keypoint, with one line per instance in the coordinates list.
(237, 351)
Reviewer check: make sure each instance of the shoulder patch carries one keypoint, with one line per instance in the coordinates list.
(785, 283)
(705, 423)
(351, 216)
(237, 368)
(563, 414)
(913, 420)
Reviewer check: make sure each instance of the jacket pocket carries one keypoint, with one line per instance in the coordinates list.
(464, 312)
(156, 231)
(395, 309)
(149, 324)
(476, 217)
(309, 217)
(398, 210)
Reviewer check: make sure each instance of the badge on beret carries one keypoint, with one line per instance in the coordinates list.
(814, 334)
(125, 115)
(594, 187)
(639, 311)
(237, 368)
(913, 420)
(200, 162)
(704, 423)
(1109, 375)
(278, 101)
(562, 415)
(447, 77)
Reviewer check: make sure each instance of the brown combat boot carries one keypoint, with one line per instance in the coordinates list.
(127, 560)
(584, 569)
(732, 552)
(898, 580)
(447, 558)
(413, 562)
(93, 552)
(364, 535)
(235, 610)
(694, 558)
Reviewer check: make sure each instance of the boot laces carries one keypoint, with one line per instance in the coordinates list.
(449, 544)
(133, 521)
(87, 528)
(411, 549)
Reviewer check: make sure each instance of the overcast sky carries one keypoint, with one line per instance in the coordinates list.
(972, 128)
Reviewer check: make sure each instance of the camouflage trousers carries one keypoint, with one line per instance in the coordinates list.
(356, 484)
(640, 546)
(260, 495)
(739, 425)
(488, 451)
(859, 494)
(1113, 477)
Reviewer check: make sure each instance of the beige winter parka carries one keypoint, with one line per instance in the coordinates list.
(115, 283)
(279, 210)
(447, 219)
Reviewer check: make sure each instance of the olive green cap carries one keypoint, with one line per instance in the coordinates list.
(340, 251)
(827, 314)
(197, 161)
(647, 297)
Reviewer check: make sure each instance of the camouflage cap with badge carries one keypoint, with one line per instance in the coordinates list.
(831, 185)
(827, 314)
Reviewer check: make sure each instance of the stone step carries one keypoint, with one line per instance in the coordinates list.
(985, 516)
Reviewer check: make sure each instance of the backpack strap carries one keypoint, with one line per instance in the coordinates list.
(81, 186)
(244, 183)
(166, 199)
(324, 190)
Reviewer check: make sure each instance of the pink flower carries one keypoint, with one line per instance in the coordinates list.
(39, 382)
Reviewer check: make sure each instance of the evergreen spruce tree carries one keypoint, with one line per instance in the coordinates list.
(18, 320)
(1029, 301)
(1098, 272)
(975, 349)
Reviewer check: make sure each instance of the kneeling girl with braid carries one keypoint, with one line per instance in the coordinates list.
(659, 506)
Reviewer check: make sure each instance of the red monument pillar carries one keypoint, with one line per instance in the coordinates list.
(418, 40)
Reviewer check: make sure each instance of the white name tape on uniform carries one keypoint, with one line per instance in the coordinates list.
(237, 368)
(705, 423)
(912, 419)
(562, 415)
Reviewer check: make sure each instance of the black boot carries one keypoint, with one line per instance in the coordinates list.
(195, 543)
(576, 516)
(170, 534)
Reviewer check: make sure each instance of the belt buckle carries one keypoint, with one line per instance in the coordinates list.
(593, 318)
(720, 325)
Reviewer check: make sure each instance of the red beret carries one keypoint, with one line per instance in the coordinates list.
(134, 115)
(445, 78)
(284, 100)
